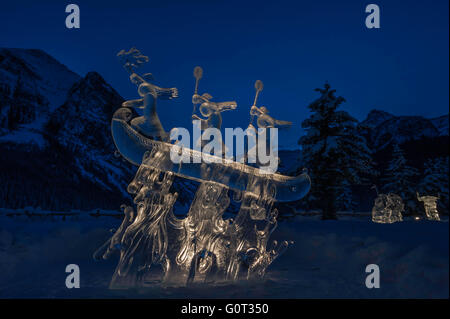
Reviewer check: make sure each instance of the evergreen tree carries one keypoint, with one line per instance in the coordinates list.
(400, 178)
(436, 181)
(334, 152)
(344, 200)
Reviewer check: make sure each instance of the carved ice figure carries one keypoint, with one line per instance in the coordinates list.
(430, 205)
(145, 242)
(209, 110)
(148, 124)
(131, 59)
(114, 243)
(264, 122)
(251, 230)
(387, 209)
(154, 245)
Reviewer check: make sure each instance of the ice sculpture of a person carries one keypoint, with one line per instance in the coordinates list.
(148, 124)
(211, 110)
(264, 121)
(387, 209)
(208, 109)
(430, 205)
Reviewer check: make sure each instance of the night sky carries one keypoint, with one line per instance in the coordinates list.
(293, 47)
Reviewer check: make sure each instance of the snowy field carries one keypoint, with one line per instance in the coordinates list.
(328, 260)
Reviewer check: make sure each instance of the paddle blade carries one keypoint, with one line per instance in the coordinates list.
(198, 72)
(259, 85)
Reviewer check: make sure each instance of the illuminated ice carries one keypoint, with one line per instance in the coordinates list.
(148, 124)
(157, 247)
(430, 205)
(264, 122)
(387, 209)
(210, 112)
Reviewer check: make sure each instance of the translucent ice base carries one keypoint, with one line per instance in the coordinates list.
(387, 209)
(155, 246)
(430, 205)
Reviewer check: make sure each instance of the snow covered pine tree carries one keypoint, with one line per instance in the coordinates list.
(435, 181)
(334, 152)
(401, 179)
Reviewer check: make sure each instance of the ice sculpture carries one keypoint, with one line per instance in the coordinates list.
(430, 205)
(387, 209)
(157, 247)
(209, 110)
(149, 124)
(264, 122)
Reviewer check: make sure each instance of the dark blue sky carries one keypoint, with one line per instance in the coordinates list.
(293, 47)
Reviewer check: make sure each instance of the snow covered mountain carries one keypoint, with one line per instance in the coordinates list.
(441, 123)
(382, 128)
(32, 86)
(55, 136)
(82, 125)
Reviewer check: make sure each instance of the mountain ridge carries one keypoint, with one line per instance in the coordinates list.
(382, 128)
(60, 120)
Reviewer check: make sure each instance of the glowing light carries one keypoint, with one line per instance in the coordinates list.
(387, 209)
(154, 245)
(430, 205)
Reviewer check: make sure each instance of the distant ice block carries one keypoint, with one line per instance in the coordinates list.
(387, 209)
(430, 205)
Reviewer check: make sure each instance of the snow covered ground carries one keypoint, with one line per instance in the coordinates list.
(328, 260)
